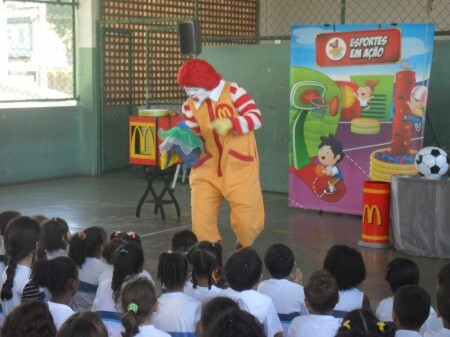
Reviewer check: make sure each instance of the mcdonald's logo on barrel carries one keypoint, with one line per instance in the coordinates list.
(376, 214)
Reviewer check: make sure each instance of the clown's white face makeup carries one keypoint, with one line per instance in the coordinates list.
(197, 94)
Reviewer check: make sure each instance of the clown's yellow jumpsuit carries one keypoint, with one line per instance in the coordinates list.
(230, 168)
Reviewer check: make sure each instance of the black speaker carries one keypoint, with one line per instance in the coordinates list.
(190, 38)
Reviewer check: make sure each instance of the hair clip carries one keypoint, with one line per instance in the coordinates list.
(133, 307)
(381, 326)
(117, 233)
(123, 250)
(131, 234)
(346, 324)
(81, 235)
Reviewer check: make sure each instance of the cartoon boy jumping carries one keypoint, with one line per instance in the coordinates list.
(331, 153)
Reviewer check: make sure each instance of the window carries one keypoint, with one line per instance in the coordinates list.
(39, 51)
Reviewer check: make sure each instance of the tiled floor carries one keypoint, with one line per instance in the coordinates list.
(110, 201)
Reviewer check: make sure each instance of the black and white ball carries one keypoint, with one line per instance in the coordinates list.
(431, 162)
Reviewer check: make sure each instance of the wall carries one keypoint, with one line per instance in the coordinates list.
(39, 143)
(438, 110)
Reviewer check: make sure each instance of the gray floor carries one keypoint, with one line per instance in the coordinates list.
(110, 201)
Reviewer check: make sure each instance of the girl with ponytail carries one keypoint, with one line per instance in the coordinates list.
(138, 302)
(129, 261)
(177, 312)
(85, 249)
(204, 266)
(21, 239)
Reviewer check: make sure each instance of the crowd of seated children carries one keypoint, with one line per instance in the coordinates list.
(194, 304)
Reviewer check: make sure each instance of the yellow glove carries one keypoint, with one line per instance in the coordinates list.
(222, 126)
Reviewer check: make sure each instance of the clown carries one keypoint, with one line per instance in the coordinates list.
(224, 116)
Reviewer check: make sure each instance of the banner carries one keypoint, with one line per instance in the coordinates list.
(358, 97)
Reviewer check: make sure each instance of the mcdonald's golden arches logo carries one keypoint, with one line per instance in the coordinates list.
(369, 212)
(224, 111)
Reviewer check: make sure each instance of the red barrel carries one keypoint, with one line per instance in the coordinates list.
(376, 214)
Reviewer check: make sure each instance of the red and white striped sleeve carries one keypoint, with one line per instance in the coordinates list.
(249, 118)
(189, 118)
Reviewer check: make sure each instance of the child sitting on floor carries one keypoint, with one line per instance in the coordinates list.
(443, 309)
(287, 296)
(411, 309)
(60, 277)
(243, 271)
(85, 249)
(347, 266)
(399, 272)
(204, 265)
(177, 312)
(138, 302)
(321, 296)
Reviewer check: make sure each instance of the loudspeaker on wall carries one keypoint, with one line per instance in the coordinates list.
(190, 38)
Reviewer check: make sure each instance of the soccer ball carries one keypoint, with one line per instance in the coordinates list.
(431, 162)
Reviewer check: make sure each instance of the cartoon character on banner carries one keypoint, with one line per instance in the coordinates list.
(329, 183)
(417, 103)
(365, 93)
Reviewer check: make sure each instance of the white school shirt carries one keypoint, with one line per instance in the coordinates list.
(260, 306)
(384, 309)
(147, 331)
(109, 269)
(440, 333)
(103, 300)
(60, 313)
(407, 333)
(288, 298)
(21, 278)
(177, 313)
(349, 300)
(202, 294)
(51, 254)
(433, 323)
(384, 314)
(314, 326)
(88, 275)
